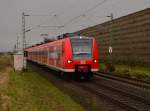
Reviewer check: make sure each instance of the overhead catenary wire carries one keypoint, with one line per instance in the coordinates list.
(81, 15)
(39, 15)
(84, 14)
(37, 26)
(68, 22)
(88, 10)
(62, 26)
(43, 26)
(89, 19)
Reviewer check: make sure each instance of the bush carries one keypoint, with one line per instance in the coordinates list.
(110, 67)
(126, 71)
(127, 74)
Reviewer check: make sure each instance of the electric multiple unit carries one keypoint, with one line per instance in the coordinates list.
(77, 56)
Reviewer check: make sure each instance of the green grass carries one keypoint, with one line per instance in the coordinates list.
(30, 92)
(102, 67)
(134, 71)
(5, 61)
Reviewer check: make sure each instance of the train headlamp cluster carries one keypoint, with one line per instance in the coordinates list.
(69, 61)
(95, 61)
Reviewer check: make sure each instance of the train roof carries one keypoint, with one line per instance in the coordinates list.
(72, 37)
(81, 37)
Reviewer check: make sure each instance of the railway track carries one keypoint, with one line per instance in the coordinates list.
(129, 97)
(130, 94)
(131, 81)
(121, 99)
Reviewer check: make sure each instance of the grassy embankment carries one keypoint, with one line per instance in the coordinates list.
(28, 91)
(5, 68)
(5, 62)
(138, 72)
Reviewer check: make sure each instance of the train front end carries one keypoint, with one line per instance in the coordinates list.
(83, 59)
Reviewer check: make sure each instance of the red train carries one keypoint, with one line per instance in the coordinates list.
(77, 56)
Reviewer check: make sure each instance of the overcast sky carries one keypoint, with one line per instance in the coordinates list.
(61, 12)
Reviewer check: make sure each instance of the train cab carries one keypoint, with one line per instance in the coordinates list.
(81, 55)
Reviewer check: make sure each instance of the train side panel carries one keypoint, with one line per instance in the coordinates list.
(68, 58)
(55, 55)
(95, 63)
(62, 55)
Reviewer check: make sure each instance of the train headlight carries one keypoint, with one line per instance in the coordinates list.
(69, 61)
(95, 61)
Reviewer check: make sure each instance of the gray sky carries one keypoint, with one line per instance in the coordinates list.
(65, 10)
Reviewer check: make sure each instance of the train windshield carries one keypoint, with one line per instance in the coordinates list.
(82, 48)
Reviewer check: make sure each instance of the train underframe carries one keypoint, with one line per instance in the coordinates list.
(82, 72)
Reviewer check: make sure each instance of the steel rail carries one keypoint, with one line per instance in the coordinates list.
(99, 93)
(130, 81)
(136, 97)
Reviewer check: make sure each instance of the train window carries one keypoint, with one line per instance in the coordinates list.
(25, 54)
(82, 48)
